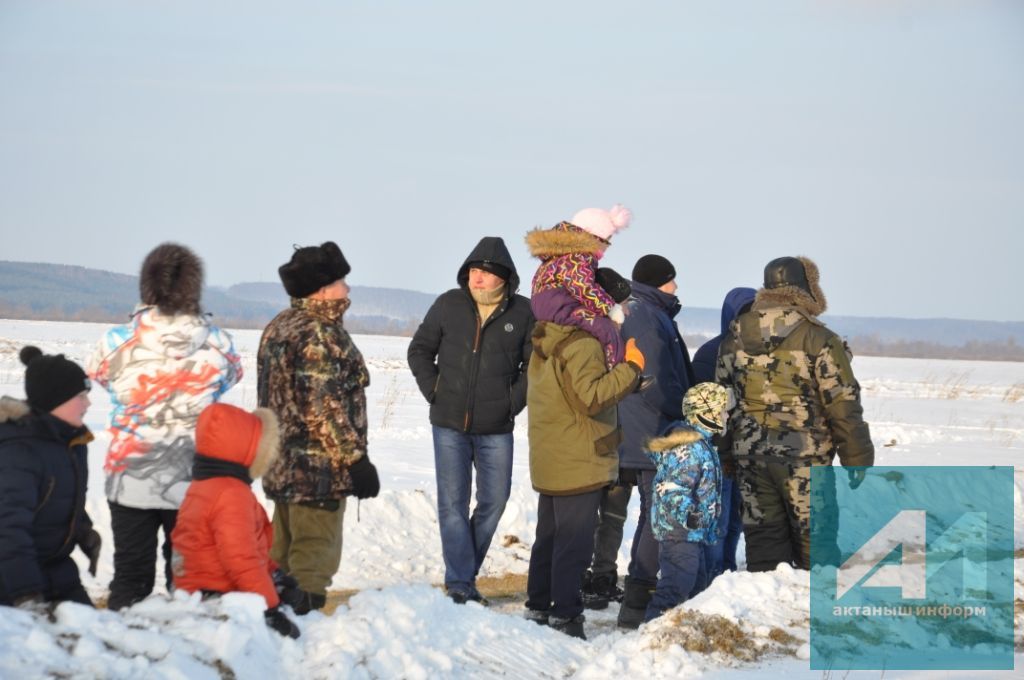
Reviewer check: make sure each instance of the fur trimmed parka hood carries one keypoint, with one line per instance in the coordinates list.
(813, 304)
(172, 279)
(234, 435)
(679, 437)
(12, 409)
(562, 239)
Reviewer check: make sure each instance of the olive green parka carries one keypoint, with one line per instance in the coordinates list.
(571, 398)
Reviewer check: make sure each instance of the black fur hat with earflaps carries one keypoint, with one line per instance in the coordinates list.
(313, 267)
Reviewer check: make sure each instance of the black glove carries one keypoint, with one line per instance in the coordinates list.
(856, 476)
(90, 545)
(365, 482)
(644, 382)
(283, 581)
(276, 619)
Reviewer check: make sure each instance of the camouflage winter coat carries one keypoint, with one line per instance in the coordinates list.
(310, 374)
(686, 495)
(797, 398)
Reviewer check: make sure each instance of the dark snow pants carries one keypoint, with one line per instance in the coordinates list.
(608, 536)
(561, 552)
(135, 541)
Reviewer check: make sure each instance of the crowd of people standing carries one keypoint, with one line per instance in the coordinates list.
(713, 446)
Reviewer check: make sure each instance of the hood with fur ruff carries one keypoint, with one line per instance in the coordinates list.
(562, 239)
(813, 304)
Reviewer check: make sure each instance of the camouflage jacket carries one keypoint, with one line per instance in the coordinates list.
(312, 376)
(686, 495)
(796, 395)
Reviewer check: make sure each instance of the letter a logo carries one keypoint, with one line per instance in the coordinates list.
(906, 529)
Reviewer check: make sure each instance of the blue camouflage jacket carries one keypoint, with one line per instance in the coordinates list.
(687, 489)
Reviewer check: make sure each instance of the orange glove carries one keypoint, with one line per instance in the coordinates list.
(634, 355)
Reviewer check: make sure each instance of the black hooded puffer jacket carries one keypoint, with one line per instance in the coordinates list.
(473, 374)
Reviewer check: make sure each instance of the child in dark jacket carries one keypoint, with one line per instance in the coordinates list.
(686, 495)
(222, 537)
(43, 478)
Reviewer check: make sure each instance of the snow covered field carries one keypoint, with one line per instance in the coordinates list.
(922, 412)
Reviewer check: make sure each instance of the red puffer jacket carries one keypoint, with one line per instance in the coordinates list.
(222, 537)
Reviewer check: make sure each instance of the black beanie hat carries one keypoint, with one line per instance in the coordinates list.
(613, 283)
(499, 270)
(312, 268)
(653, 270)
(50, 380)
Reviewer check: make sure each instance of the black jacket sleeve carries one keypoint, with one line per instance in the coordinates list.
(423, 348)
(19, 496)
(519, 385)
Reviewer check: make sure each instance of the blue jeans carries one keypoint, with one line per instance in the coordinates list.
(721, 555)
(682, 576)
(465, 539)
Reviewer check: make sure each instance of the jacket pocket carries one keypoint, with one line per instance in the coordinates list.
(433, 393)
(608, 445)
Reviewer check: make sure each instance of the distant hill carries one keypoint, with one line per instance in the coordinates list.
(31, 290)
(391, 303)
(67, 293)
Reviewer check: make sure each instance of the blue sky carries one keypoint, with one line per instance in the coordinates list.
(882, 139)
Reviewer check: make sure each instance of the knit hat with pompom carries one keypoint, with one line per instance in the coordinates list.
(50, 379)
(603, 223)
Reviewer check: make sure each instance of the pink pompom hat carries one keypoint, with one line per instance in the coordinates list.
(603, 223)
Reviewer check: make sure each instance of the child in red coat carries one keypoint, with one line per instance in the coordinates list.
(222, 537)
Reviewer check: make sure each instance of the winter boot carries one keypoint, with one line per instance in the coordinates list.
(601, 589)
(302, 602)
(572, 627)
(591, 598)
(608, 585)
(538, 616)
(634, 603)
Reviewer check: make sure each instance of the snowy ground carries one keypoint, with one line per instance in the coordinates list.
(922, 412)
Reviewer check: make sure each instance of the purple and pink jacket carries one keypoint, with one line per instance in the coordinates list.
(564, 289)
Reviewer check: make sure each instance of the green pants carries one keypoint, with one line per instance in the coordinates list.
(307, 543)
(777, 503)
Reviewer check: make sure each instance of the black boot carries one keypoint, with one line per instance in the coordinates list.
(301, 601)
(572, 627)
(634, 603)
(602, 589)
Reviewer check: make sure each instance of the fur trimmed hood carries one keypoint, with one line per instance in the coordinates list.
(674, 439)
(792, 296)
(268, 449)
(172, 279)
(12, 409)
(231, 434)
(562, 239)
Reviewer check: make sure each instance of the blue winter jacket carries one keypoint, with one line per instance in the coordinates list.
(645, 414)
(43, 477)
(687, 490)
(707, 356)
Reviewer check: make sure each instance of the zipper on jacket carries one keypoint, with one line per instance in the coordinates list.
(475, 369)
